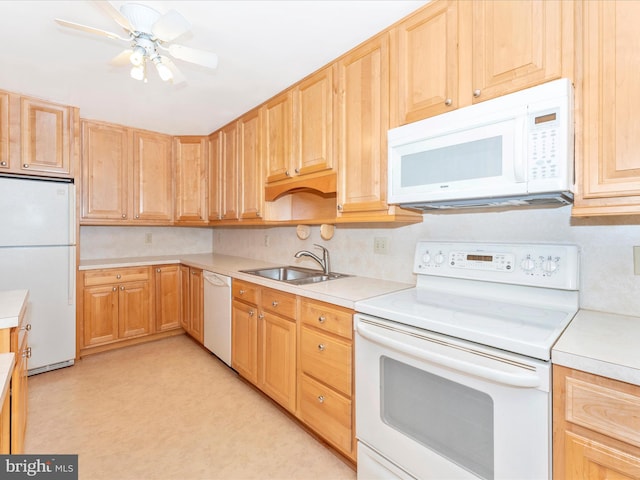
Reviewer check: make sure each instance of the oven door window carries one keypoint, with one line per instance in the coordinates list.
(452, 419)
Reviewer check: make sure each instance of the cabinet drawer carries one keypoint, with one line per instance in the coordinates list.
(247, 292)
(326, 359)
(605, 408)
(328, 412)
(283, 304)
(116, 275)
(327, 317)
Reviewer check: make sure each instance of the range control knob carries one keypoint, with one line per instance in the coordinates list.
(549, 265)
(527, 264)
(440, 258)
(426, 257)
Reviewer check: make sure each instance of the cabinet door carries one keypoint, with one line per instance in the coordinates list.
(515, 45)
(19, 396)
(278, 359)
(611, 165)
(250, 162)
(152, 177)
(364, 114)
(45, 129)
(100, 316)
(4, 131)
(168, 306)
(191, 179)
(424, 64)
(215, 178)
(134, 309)
(244, 340)
(277, 134)
(105, 173)
(229, 140)
(589, 459)
(314, 122)
(196, 307)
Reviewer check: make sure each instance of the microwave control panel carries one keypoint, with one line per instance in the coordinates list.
(544, 148)
(546, 265)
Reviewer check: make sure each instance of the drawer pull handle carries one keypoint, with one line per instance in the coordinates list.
(321, 347)
(241, 292)
(274, 303)
(118, 276)
(321, 398)
(27, 353)
(322, 319)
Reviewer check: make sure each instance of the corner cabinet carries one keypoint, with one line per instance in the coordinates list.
(38, 137)
(607, 143)
(127, 176)
(596, 431)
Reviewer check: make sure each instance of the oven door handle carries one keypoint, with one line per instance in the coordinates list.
(525, 379)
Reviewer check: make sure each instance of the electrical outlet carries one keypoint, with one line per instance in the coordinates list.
(267, 241)
(148, 238)
(636, 260)
(381, 245)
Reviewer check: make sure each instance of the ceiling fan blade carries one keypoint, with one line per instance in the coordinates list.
(178, 77)
(85, 28)
(193, 55)
(170, 26)
(114, 13)
(122, 59)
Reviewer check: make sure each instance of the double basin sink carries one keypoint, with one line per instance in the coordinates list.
(294, 275)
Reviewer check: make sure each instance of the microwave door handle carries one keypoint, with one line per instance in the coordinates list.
(526, 380)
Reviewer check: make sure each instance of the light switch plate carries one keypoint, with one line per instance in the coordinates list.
(636, 260)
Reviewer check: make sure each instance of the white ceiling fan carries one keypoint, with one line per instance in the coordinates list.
(149, 32)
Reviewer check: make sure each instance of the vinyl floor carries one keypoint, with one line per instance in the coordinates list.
(169, 410)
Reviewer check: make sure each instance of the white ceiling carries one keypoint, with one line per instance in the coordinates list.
(263, 47)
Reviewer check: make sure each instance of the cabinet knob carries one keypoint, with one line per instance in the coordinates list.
(287, 173)
(124, 215)
(137, 216)
(297, 170)
(25, 165)
(158, 270)
(321, 318)
(251, 313)
(118, 276)
(476, 93)
(261, 316)
(3, 164)
(321, 347)
(114, 289)
(339, 207)
(274, 303)
(27, 352)
(320, 398)
(122, 287)
(241, 292)
(448, 102)
(27, 327)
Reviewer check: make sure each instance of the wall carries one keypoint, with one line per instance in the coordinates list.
(607, 279)
(118, 242)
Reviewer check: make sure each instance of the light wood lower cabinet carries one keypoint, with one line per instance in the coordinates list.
(16, 340)
(193, 302)
(596, 427)
(122, 306)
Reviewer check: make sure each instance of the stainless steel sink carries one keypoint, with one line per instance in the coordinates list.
(294, 275)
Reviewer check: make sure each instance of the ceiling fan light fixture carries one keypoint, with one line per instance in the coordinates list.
(137, 57)
(164, 71)
(137, 72)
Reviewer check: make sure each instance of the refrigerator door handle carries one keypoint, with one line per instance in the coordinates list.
(72, 214)
(71, 292)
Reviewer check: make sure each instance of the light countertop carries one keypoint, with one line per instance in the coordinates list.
(601, 343)
(12, 305)
(343, 291)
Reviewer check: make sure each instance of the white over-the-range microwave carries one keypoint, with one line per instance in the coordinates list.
(514, 150)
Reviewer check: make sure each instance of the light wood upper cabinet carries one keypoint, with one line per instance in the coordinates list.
(424, 66)
(251, 186)
(515, 45)
(215, 179)
(363, 106)
(230, 171)
(152, 177)
(276, 136)
(105, 171)
(191, 179)
(4, 131)
(607, 143)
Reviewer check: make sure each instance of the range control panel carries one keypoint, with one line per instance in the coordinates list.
(546, 265)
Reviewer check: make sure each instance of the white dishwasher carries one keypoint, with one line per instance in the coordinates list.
(217, 315)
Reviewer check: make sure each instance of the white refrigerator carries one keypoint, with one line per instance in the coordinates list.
(38, 253)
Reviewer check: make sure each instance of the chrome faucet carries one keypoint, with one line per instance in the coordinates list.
(324, 261)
